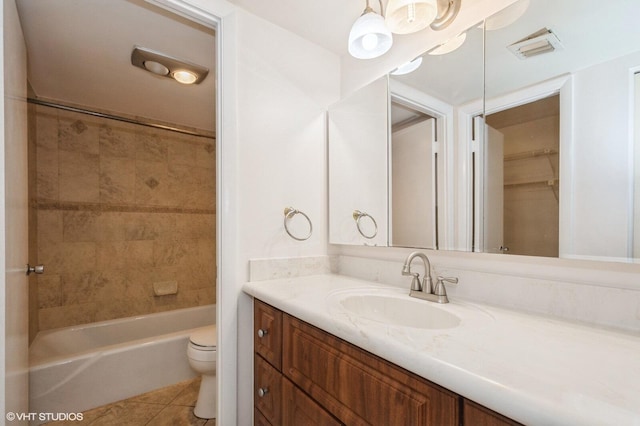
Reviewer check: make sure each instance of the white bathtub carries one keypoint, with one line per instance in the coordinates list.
(73, 369)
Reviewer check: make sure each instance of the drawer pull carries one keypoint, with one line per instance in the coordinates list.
(262, 333)
(262, 392)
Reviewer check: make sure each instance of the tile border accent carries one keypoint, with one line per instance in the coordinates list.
(103, 207)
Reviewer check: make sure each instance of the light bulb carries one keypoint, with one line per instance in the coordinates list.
(370, 41)
(411, 12)
(185, 77)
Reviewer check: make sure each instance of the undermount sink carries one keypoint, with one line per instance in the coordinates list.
(393, 309)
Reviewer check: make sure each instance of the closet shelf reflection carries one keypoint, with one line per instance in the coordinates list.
(530, 154)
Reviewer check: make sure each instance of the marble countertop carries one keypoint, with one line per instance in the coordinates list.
(533, 369)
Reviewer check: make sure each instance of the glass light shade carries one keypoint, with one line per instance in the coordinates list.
(450, 45)
(156, 67)
(369, 36)
(410, 16)
(185, 77)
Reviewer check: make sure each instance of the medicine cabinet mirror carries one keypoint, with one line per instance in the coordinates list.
(554, 171)
(556, 162)
(391, 152)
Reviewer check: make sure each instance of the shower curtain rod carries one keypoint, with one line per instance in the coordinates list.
(117, 118)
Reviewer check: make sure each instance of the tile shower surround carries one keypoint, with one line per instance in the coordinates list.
(118, 207)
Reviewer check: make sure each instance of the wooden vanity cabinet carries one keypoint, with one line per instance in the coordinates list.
(477, 415)
(357, 387)
(305, 376)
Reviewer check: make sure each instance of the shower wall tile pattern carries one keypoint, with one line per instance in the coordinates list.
(119, 207)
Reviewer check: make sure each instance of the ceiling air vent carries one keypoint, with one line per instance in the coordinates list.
(543, 41)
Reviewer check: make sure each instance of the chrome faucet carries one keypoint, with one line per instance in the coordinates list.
(422, 289)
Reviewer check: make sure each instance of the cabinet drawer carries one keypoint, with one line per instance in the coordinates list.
(267, 328)
(358, 387)
(267, 394)
(477, 415)
(298, 409)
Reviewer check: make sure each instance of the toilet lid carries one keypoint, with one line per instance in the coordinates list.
(204, 336)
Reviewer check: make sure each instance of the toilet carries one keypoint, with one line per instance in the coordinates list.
(202, 353)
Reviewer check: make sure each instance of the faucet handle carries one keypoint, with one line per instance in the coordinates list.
(440, 289)
(415, 282)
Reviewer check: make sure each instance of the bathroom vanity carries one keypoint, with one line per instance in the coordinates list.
(331, 349)
(304, 375)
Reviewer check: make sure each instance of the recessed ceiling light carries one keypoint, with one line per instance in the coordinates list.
(156, 67)
(184, 77)
(163, 65)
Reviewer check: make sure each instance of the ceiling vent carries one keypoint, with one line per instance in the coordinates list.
(543, 41)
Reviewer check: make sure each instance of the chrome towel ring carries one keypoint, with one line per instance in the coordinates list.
(289, 213)
(357, 215)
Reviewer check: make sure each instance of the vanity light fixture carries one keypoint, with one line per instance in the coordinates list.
(410, 16)
(408, 67)
(369, 36)
(450, 45)
(166, 66)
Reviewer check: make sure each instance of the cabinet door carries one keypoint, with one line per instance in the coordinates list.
(267, 394)
(259, 419)
(477, 415)
(267, 328)
(298, 409)
(358, 387)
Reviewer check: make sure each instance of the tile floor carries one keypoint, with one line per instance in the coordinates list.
(171, 406)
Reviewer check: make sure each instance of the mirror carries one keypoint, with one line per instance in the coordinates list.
(556, 161)
(562, 181)
(358, 134)
(396, 171)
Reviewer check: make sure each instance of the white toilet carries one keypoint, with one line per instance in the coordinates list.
(202, 353)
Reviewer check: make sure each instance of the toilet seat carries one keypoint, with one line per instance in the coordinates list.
(204, 338)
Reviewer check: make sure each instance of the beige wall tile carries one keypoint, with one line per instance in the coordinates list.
(117, 140)
(111, 226)
(124, 254)
(181, 152)
(47, 180)
(80, 225)
(206, 153)
(50, 227)
(79, 176)
(117, 179)
(103, 258)
(65, 257)
(78, 133)
(151, 146)
(46, 128)
(152, 183)
(49, 291)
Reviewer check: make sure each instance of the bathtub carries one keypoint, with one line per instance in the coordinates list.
(73, 369)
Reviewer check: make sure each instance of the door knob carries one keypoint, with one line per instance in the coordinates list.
(38, 269)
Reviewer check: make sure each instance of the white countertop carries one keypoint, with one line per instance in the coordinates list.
(533, 369)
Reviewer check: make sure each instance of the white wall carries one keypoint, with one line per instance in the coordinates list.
(284, 86)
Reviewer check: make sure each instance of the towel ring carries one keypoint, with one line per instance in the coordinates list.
(290, 212)
(357, 215)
